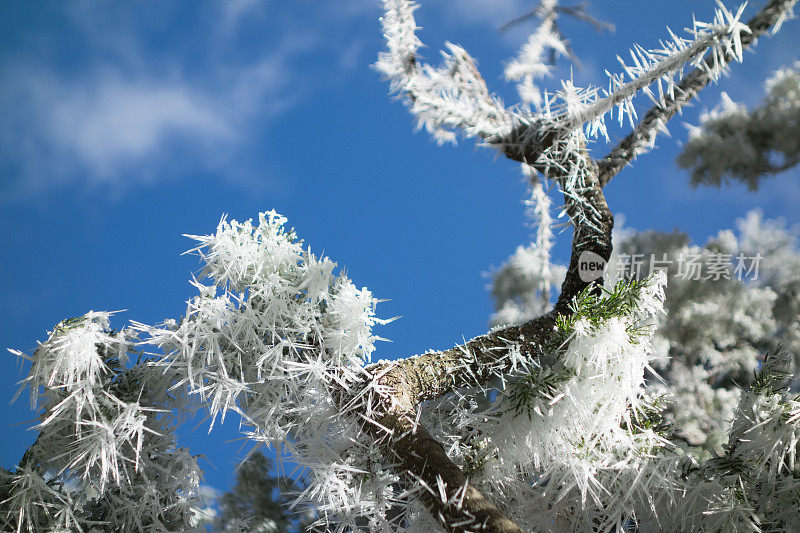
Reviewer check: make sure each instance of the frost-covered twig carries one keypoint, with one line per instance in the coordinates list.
(643, 136)
(450, 98)
(537, 56)
(106, 450)
(720, 37)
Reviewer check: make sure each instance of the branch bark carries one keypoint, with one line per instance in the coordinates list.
(643, 136)
(396, 389)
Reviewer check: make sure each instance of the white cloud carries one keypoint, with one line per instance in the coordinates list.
(115, 121)
(116, 128)
(116, 116)
(234, 10)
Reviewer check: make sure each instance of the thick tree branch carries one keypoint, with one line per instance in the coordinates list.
(643, 136)
(423, 463)
(390, 415)
(397, 388)
(432, 375)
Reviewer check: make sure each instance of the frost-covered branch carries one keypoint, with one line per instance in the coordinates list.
(401, 387)
(721, 36)
(531, 64)
(445, 99)
(106, 451)
(537, 56)
(642, 138)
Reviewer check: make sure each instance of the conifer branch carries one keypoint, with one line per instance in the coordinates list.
(402, 386)
(642, 138)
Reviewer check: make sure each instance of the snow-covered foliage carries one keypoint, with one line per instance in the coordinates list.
(718, 330)
(270, 338)
(105, 458)
(571, 440)
(558, 423)
(263, 339)
(273, 320)
(718, 326)
(565, 444)
(753, 485)
(568, 442)
(732, 143)
(740, 449)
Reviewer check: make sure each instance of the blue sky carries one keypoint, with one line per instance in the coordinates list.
(127, 124)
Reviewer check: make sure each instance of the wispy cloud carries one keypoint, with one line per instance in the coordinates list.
(111, 127)
(116, 121)
(234, 10)
(116, 115)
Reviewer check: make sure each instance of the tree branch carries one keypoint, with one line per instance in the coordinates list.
(420, 378)
(388, 398)
(395, 390)
(423, 463)
(643, 136)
